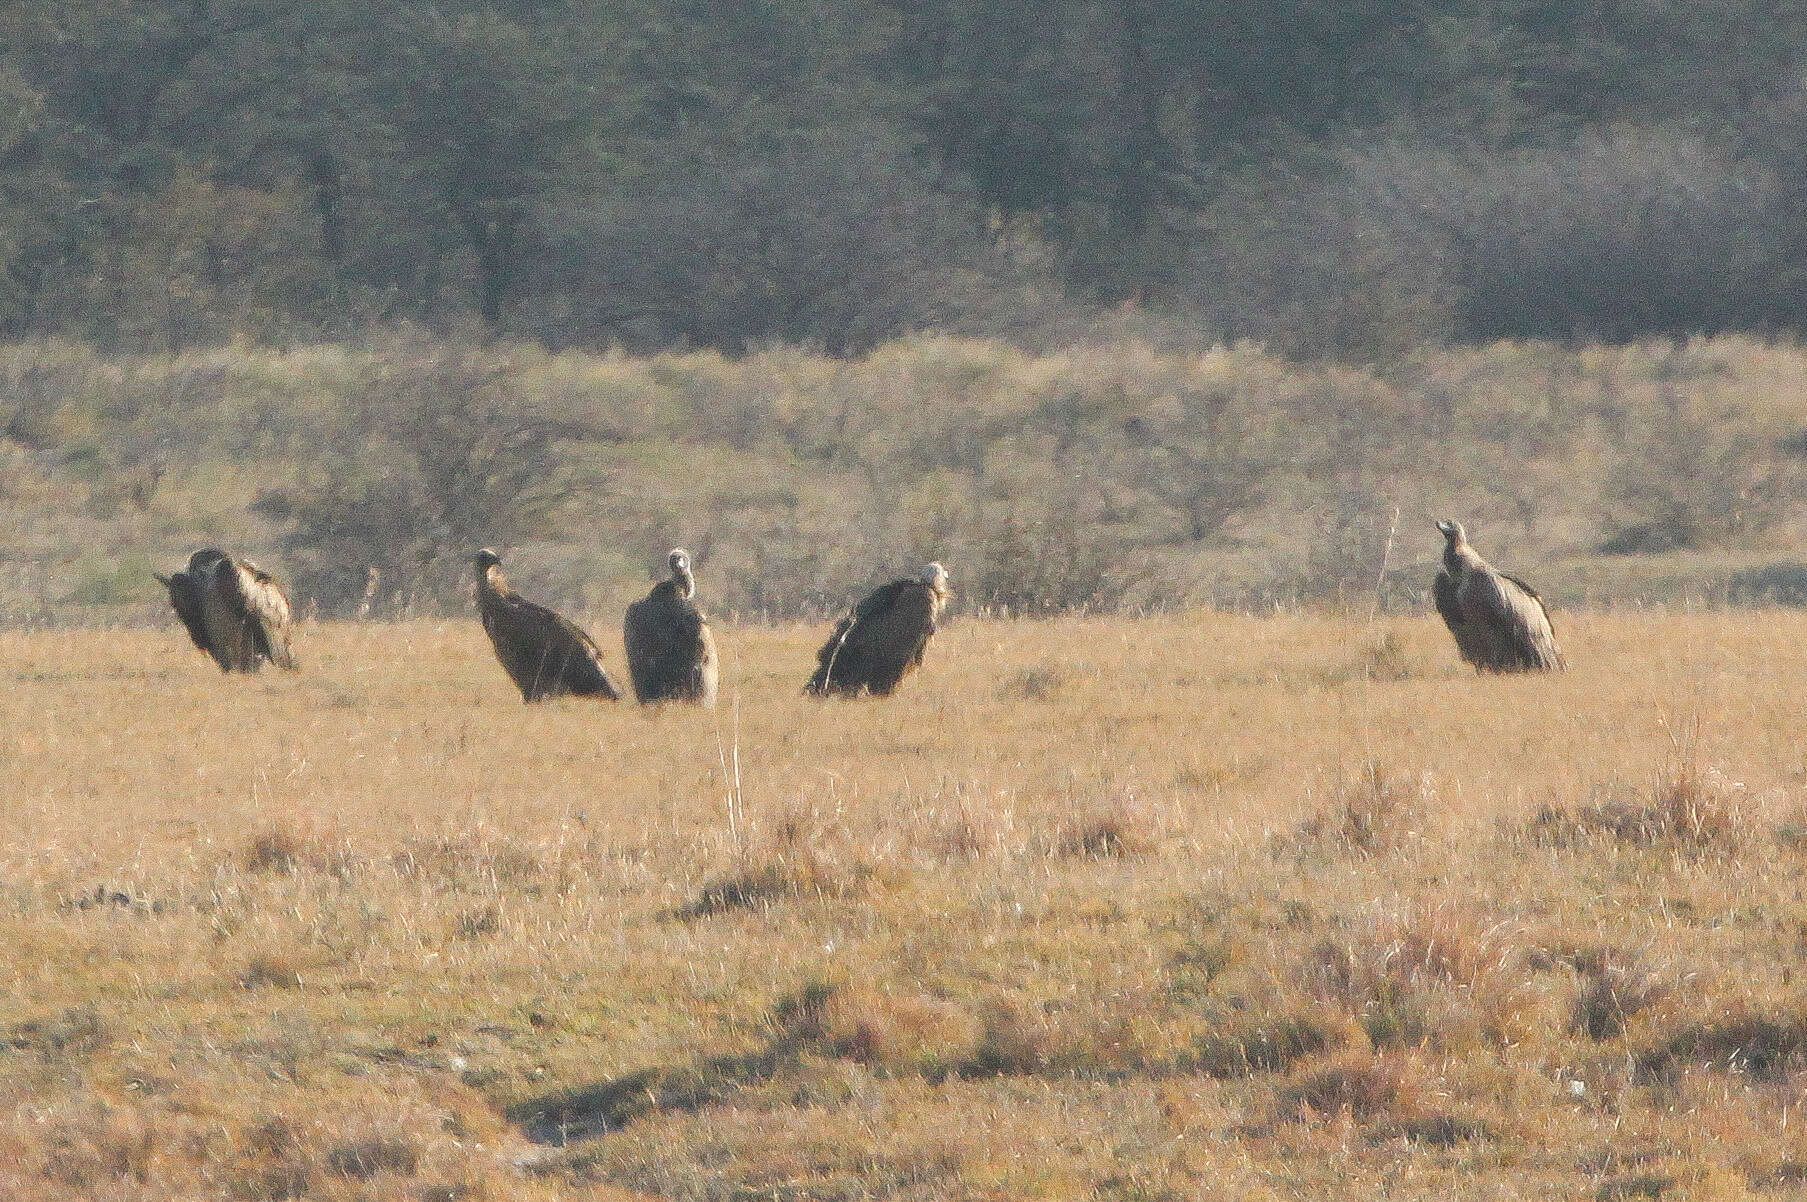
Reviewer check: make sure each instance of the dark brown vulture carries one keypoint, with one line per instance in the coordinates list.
(233, 611)
(883, 639)
(544, 654)
(1499, 621)
(670, 651)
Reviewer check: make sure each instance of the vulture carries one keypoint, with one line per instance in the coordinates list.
(233, 610)
(544, 654)
(1499, 621)
(883, 639)
(670, 652)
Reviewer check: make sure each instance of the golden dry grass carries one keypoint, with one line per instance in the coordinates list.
(1193, 907)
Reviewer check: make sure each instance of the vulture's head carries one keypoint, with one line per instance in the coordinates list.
(679, 559)
(936, 577)
(484, 560)
(1458, 556)
(204, 559)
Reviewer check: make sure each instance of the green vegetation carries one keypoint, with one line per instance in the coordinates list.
(1342, 178)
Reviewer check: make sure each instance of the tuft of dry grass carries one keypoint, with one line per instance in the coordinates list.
(1432, 977)
(277, 849)
(1759, 1045)
(1614, 987)
(1013, 1040)
(1377, 811)
(802, 858)
(1691, 808)
(479, 922)
(1386, 658)
(931, 1037)
(76, 1032)
(1358, 1084)
(96, 1151)
(282, 849)
(911, 1033)
(1383, 659)
(1121, 824)
(365, 1158)
(475, 862)
(1043, 682)
(271, 970)
(1271, 1043)
(1392, 1096)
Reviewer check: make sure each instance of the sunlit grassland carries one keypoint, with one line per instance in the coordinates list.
(1198, 906)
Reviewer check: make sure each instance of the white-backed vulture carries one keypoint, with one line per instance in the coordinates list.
(884, 638)
(670, 650)
(234, 611)
(544, 654)
(1499, 621)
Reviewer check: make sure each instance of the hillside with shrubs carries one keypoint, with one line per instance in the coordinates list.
(1111, 476)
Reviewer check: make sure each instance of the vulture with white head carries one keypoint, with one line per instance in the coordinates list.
(1499, 622)
(884, 638)
(670, 650)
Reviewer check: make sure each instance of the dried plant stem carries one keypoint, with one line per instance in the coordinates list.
(1386, 557)
(729, 756)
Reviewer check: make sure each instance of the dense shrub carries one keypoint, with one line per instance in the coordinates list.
(431, 459)
(1608, 236)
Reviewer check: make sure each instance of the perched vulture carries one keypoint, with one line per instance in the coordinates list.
(233, 611)
(1499, 621)
(883, 639)
(544, 654)
(670, 652)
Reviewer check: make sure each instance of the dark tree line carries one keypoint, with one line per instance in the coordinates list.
(1342, 177)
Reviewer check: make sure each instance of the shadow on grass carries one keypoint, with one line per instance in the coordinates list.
(583, 1113)
(796, 872)
(588, 1111)
(1763, 1048)
(912, 1035)
(753, 889)
(909, 1037)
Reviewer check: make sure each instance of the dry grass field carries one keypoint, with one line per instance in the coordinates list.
(1200, 907)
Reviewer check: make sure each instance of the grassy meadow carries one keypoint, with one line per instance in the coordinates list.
(1183, 907)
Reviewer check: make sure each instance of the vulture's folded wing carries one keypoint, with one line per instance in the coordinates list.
(266, 612)
(891, 633)
(547, 654)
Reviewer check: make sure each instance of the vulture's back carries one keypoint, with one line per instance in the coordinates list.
(1513, 621)
(544, 654)
(670, 649)
(1536, 633)
(263, 614)
(877, 645)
